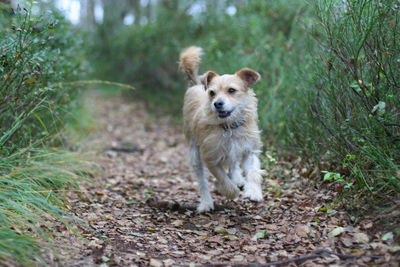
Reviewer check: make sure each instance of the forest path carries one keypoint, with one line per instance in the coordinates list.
(142, 208)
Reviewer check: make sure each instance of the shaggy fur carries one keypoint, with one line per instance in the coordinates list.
(220, 125)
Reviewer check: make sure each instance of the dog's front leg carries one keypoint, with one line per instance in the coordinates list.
(235, 173)
(252, 170)
(206, 202)
(226, 186)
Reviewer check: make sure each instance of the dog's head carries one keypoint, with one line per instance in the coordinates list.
(229, 94)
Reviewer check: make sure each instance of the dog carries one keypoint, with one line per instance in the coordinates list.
(220, 125)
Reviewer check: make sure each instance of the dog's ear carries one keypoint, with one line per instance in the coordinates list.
(249, 76)
(207, 77)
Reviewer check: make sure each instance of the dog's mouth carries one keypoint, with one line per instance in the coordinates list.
(224, 114)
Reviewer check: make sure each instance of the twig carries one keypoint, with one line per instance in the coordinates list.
(320, 253)
(126, 149)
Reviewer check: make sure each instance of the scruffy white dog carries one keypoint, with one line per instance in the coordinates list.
(220, 125)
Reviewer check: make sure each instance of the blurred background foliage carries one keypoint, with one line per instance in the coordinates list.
(330, 72)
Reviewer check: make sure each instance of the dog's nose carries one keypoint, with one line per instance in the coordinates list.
(218, 104)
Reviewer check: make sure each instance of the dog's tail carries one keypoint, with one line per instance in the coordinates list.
(189, 61)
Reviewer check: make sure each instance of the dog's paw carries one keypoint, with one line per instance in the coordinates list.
(239, 181)
(205, 206)
(229, 190)
(253, 192)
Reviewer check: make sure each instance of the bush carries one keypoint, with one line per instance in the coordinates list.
(37, 55)
(354, 95)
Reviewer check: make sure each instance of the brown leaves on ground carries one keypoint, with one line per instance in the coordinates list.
(141, 210)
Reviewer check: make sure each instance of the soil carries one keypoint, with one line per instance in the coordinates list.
(140, 209)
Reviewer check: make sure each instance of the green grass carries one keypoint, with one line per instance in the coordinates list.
(32, 187)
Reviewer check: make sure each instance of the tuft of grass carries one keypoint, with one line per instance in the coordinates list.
(32, 186)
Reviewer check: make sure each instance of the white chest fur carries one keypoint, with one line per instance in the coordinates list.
(226, 146)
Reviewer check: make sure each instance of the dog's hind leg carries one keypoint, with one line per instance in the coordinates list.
(252, 171)
(206, 202)
(226, 186)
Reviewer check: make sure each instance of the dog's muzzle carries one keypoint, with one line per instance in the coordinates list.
(224, 114)
(219, 107)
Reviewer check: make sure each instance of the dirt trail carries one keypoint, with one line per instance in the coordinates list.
(141, 209)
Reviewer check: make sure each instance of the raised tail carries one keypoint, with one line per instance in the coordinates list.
(189, 61)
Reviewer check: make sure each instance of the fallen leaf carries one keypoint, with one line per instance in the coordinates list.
(259, 235)
(394, 249)
(357, 252)
(177, 223)
(231, 237)
(337, 231)
(220, 230)
(367, 225)
(232, 231)
(302, 230)
(205, 257)
(141, 254)
(238, 258)
(323, 209)
(380, 246)
(181, 236)
(251, 249)
(347, 242)
(136, 234)
(361, 238)
(168, 262)
(271, 227)
(155, 263)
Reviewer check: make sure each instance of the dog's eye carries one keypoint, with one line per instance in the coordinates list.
(231, 90)
(212, 93)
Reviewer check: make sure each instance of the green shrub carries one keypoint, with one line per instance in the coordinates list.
(37, 54)
(354, 95)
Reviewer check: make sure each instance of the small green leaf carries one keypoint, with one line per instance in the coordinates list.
(356, 86)
(323, 209)
(181, 236)
(30, 80)
(231, 237)
(260, 235)
(328, 176)
(387, 236)
(380, 107)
